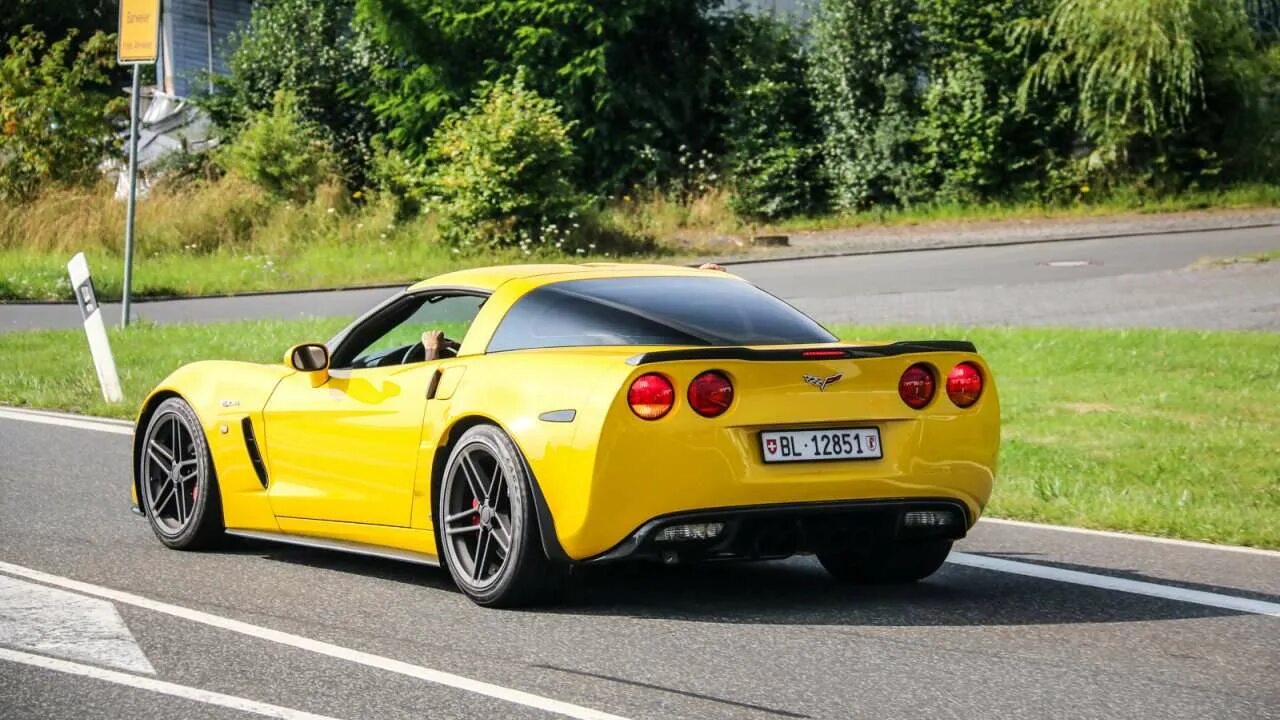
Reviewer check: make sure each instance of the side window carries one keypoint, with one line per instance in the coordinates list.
(394, 336)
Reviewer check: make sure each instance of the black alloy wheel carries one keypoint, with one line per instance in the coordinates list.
(179, 493)
(486, 529)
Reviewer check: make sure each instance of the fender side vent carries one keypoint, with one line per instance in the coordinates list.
(251, 446)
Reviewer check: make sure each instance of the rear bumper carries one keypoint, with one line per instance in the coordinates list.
(761, 532)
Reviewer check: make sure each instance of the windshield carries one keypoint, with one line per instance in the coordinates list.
(653, 311)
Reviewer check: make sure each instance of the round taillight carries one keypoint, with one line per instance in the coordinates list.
(651, 396)
(710, 394)
(916, 386)
(964, 384)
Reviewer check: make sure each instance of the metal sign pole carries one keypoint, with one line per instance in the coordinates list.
(133, 197)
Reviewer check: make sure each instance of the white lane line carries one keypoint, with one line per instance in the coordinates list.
(159, 686)
(439, 677)
(1132, 536)
(96, 424)
(1107, 582)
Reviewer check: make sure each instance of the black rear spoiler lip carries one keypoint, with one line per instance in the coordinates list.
(908, 347)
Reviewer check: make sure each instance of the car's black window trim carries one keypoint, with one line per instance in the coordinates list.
(340, 344)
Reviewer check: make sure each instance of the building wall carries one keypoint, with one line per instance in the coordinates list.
(187, 37)
(796, 9)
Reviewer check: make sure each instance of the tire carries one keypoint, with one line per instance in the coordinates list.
(487, 486)
(178, 487)
(891, 564)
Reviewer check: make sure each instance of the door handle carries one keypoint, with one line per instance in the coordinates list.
(435, 383)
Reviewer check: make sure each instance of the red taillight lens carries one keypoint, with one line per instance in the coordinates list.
(964, 384)
(916, 386)
(651, 396)
(710, 394)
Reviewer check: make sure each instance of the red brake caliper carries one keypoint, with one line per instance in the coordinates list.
(475, 505)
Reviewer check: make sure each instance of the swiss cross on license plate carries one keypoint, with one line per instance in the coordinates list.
(823, 444)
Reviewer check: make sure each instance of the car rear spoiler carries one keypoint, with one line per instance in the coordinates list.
(819, 353)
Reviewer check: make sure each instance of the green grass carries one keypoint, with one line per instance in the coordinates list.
(1154, 431)
(1162, 432)
(227, 237)
(43, 276)
(1255, 259)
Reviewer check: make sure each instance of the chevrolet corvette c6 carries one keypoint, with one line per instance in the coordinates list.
(574, 415)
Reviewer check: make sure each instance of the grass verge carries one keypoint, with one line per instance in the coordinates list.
(228, 237)
(1153, 431)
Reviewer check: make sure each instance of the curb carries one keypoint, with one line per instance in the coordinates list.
(723, 260)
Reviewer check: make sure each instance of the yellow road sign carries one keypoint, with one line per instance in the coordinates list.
(139, 31)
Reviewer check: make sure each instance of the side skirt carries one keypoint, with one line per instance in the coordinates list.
(346, 546)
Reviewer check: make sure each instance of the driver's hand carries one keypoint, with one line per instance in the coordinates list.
(433, 343)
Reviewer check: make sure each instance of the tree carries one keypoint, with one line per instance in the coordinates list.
(976, 142)
(1142, 73)
(627, 74)
(866, 65)
(58, 117)
(501, 170)
(768, 126)
(310, 50)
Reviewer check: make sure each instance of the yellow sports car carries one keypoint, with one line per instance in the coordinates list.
(509, 423)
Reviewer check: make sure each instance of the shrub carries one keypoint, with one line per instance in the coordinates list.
(770, 136)
(864, 73)
(976, 143)
(311, 49)
(1159, 85)
(629, 76)
(58, 119)
(281, 152)
(501, 169)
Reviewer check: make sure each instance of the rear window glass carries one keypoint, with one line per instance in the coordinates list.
(652, 311)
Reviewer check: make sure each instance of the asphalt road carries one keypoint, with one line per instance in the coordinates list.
(307, 631)
(1120, 282)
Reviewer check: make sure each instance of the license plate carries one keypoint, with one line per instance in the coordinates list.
(825, 444)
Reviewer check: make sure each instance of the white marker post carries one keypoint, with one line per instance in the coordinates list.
(94, 328)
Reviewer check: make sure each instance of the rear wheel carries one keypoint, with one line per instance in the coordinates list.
(486, 525)
(893, 563)
(178, 488)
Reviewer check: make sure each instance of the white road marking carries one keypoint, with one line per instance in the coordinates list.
(86, 423)
(511, 695)
(1107, 582)
(1133, 536)
(159, 686)
(66, 624)
(68, 416)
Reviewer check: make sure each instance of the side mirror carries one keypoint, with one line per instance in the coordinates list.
(310, 357)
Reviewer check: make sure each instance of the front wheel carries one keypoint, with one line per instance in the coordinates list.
(895, 563)
(179, 490)
(486, 525)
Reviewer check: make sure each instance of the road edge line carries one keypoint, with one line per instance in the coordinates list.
(1110, 582)
(1117, 535)
(319, 647)
(85, 422)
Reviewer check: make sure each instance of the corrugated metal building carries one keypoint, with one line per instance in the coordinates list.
(194, 41)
